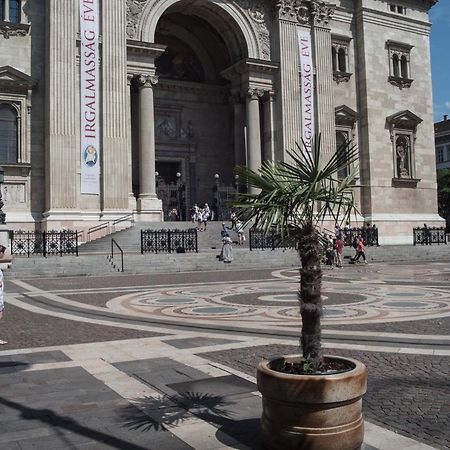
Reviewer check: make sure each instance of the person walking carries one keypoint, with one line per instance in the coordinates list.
(239, 227)
(361, 250)
(227, 249)
(339, 248)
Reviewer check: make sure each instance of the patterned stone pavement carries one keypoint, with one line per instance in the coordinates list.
(129, 351)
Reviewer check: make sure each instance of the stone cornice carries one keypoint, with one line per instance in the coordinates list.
(144, 48)
(248, 65)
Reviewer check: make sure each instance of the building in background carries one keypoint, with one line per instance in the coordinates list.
(442, 143)
(183, 91)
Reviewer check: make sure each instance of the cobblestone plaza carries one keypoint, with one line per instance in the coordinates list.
(168, 361)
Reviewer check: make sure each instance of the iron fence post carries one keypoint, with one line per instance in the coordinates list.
(76, 243)
(142, 242)
(168, 241)
(272, 235)
(44, 244)
(250, 235)
(196, 240)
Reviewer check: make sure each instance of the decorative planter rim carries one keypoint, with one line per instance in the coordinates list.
(359, 368)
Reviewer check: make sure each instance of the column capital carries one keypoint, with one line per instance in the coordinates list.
(146, 81)
(255, 93)
(321, 12)
(130, 77)
(305, 12)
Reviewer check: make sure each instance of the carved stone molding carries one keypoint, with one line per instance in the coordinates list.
(400, 82)
(134, 11)
(146, 81)
(321, 12)
(305, 12)
(258, 13)
(255, 93)
(8, 29)
(341, 77)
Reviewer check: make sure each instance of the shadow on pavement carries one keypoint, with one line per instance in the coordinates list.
(52, 419)
(12, 366)
(165, 411)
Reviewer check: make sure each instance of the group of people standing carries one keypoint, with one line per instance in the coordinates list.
(345, 237)
(200, 216)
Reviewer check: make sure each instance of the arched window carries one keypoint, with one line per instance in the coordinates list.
(334, 58)
(341, 138)
(341, 59)
(8, 134)
(395, 65)
(14, 11)
(404, 67)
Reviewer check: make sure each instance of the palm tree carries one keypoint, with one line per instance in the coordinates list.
(293, 200)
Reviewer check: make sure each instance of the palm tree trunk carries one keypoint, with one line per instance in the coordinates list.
(310, 295)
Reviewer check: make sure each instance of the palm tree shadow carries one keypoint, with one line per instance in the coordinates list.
(166, 411)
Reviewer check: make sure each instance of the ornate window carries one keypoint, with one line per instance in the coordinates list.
(15, 105)
(399, 64)
(402, 128)
(397, 9)
(345, 119)
(340, 58)
(9, 133)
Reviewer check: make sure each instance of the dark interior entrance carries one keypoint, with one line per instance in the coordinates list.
(167, 171)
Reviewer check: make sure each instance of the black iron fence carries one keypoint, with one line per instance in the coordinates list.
(258, 240)
(369, 235)
(163, 241)
(27, 243)
(267, 241)
(428, 236)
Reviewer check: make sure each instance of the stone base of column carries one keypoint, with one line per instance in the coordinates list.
(149, 209)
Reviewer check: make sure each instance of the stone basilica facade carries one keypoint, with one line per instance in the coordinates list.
(187, 89)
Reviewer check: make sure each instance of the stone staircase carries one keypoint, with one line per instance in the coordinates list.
(130, 239)
(93, 256)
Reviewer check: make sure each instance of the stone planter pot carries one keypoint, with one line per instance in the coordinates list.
(312, 412)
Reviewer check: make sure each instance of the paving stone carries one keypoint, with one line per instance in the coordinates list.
(221, 386)
(197, 342)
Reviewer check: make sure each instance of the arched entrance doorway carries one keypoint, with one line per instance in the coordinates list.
(194, 124)
(202, 102)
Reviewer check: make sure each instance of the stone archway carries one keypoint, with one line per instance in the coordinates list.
(202, 56)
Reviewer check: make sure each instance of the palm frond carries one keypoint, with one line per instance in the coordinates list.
(302, 191)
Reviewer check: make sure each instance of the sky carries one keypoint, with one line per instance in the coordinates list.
(440, 58)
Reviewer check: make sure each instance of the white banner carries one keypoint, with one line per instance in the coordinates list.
(307, 86)
(90, 100)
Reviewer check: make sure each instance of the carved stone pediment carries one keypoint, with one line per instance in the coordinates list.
(345, 115)
(13, 78)
(404, 119)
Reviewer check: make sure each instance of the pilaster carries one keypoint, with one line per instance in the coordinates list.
(116, 170)
(288, 99)
(62, 106)
(321, 14)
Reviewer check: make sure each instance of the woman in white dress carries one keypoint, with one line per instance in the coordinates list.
(227, 250)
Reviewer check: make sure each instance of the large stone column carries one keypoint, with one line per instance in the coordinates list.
(269, 127)
(288, 98)
(6, 10)
(253, 130)
(116, 174)
(148, 205)
(321, 15)
(62, 154)
(239, 129)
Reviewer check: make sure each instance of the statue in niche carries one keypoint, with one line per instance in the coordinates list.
(402, 158)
